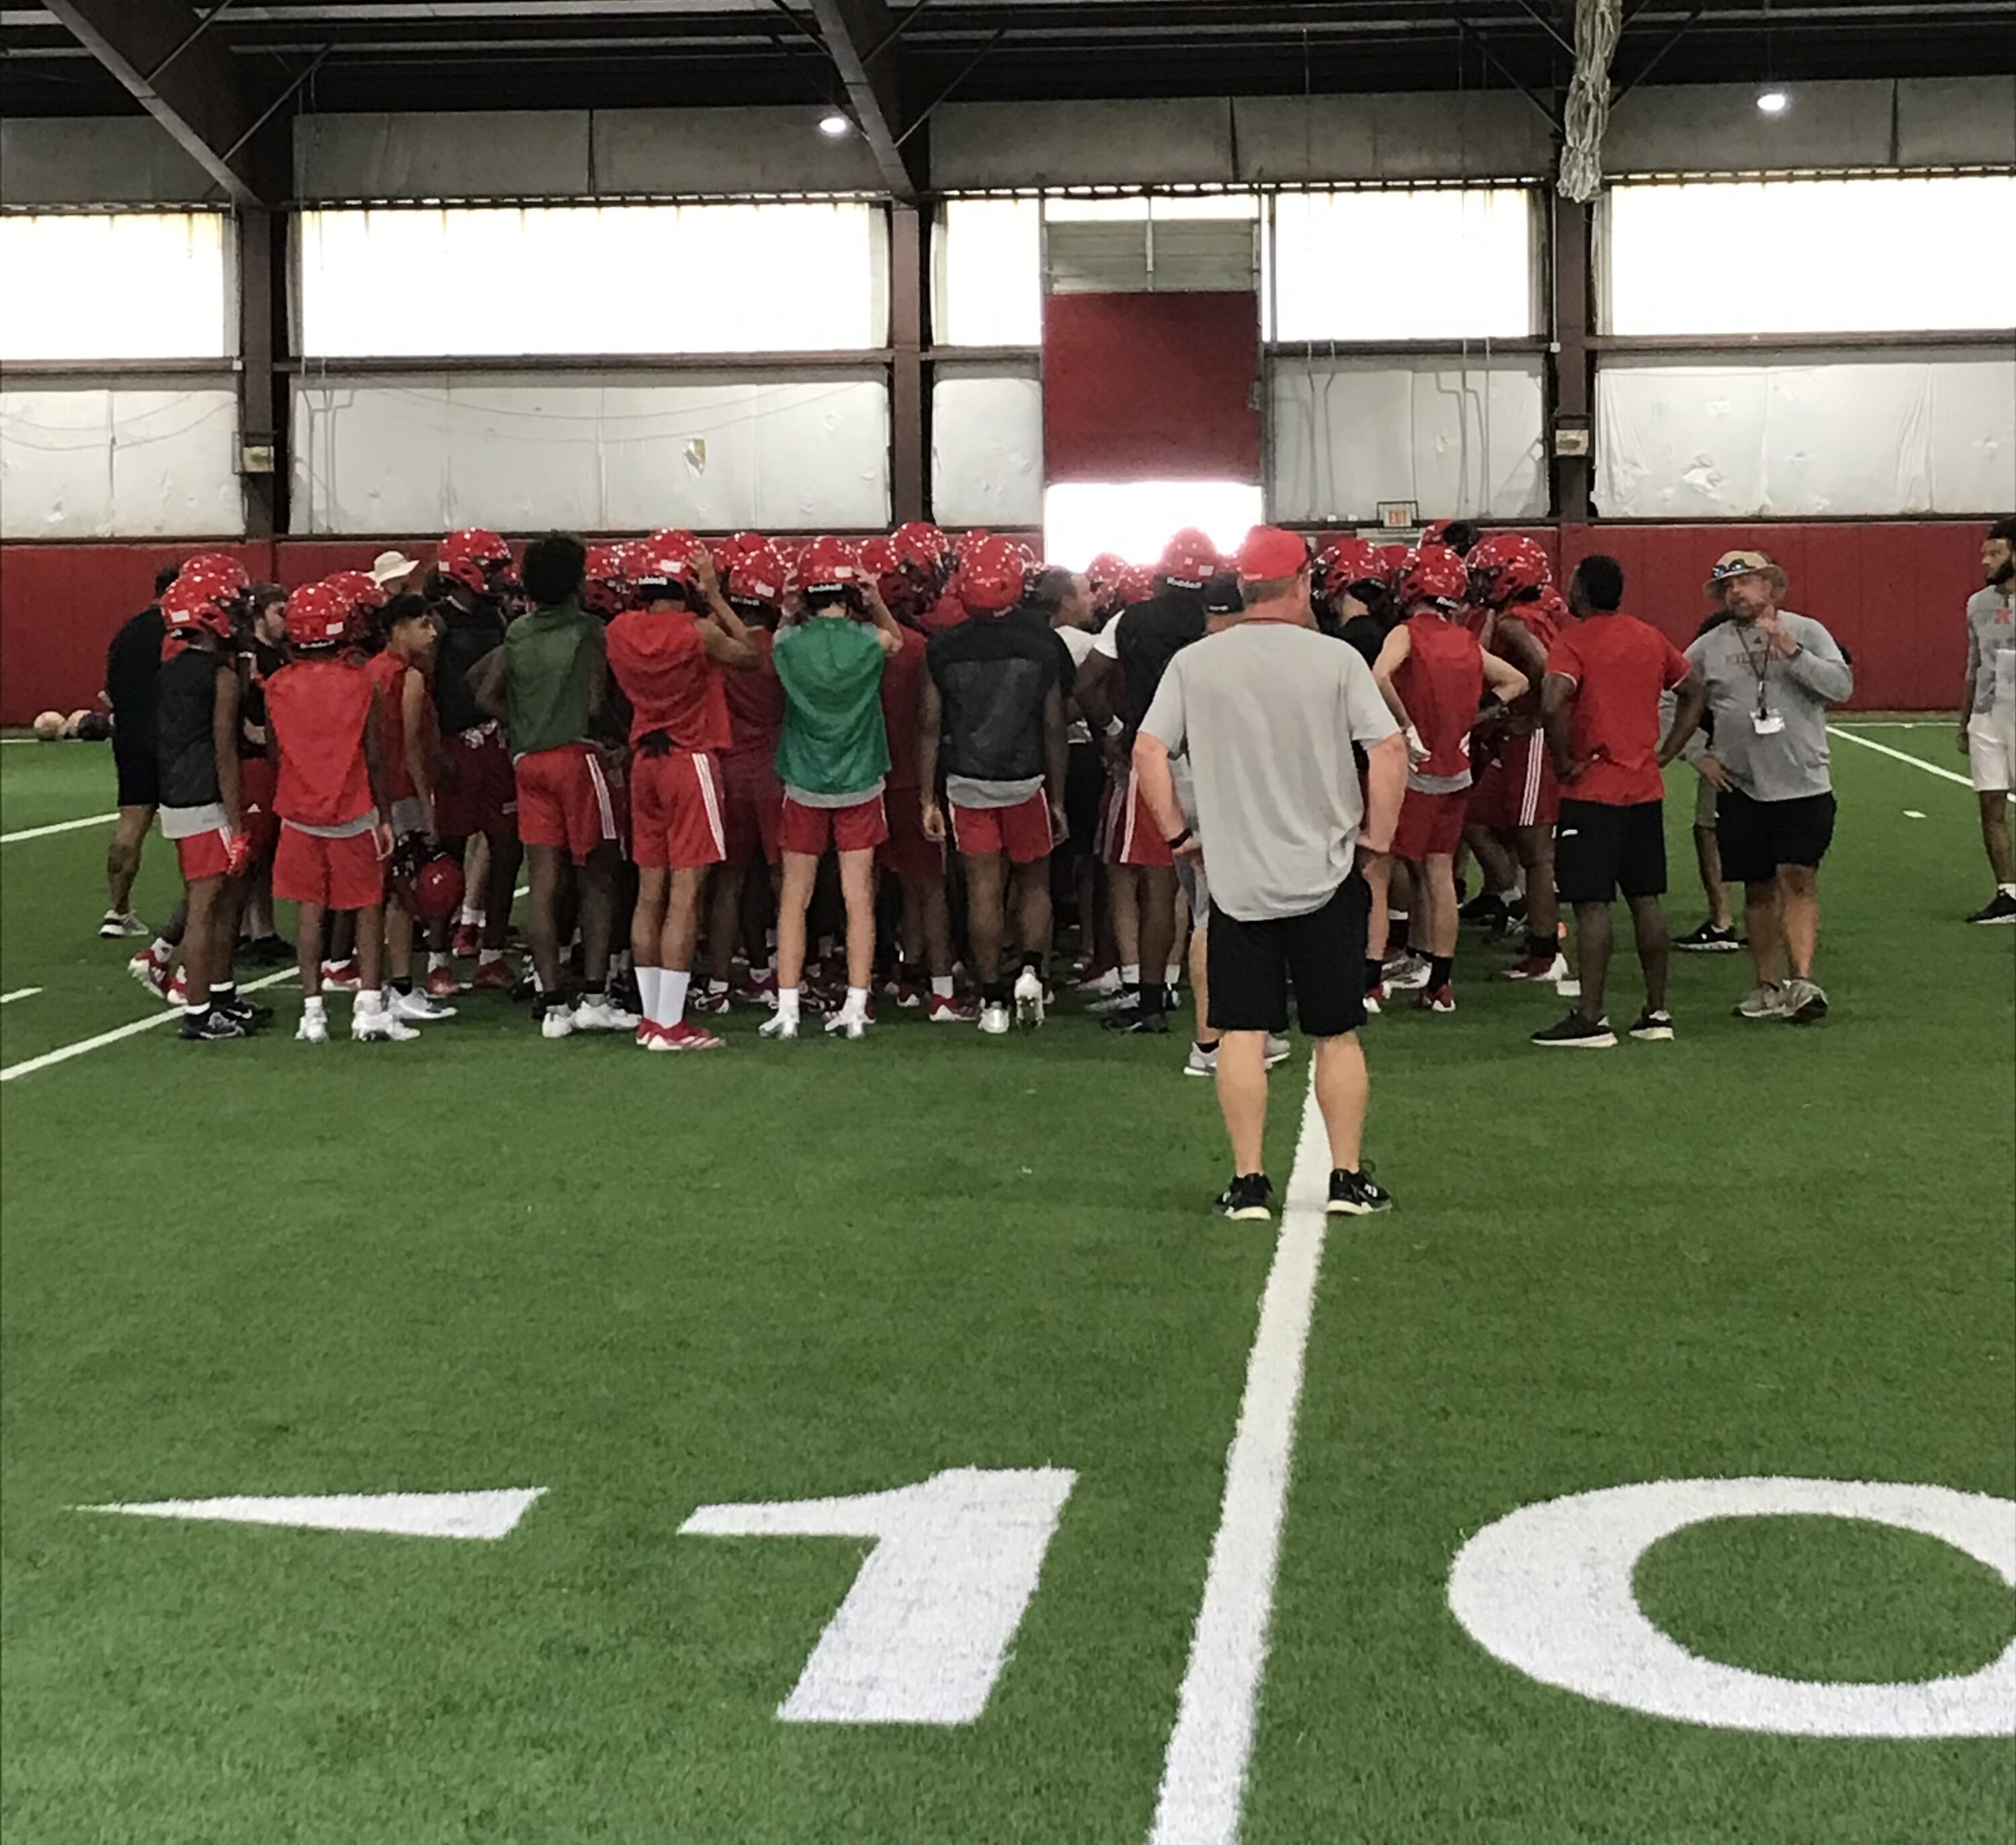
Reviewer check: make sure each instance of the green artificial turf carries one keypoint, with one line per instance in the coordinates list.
(648, 1283)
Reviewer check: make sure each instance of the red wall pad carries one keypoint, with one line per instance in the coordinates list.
(1151, 387)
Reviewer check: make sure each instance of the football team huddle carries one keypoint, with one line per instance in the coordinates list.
(719, 765)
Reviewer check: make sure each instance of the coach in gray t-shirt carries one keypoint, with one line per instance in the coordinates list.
(1267, 710)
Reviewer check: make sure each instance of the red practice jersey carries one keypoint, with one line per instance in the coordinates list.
(318, 709)
(1620, 667)
(756, 704)
(902, 691)
(661, 663)
(1441, 682)
(387, 672)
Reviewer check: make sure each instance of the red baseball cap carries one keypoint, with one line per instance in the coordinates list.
(1267, 553)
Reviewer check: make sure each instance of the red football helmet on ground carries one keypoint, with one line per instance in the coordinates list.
(990, 577)
(318, 616)
(1433, 573)
(427, 880)
(661, 567)
(1506, 564)
(607, 592)
(828, 563)
(1189, 559)
(478, 559)
(1348, 560)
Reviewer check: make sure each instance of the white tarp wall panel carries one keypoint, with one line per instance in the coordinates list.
(126, 463)
(1825, 435)
(386, 283)
(987, 449)
(1345, 433)
(424, 454)
(110, 285)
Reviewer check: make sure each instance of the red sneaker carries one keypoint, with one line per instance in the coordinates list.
(686, 1036)
(944, 1011)
(1435, 999)
(1375, 1000)
(339, 977)
(493, 974)
(468, 939)
(442, 984)
(713, 1002)
(151, 974)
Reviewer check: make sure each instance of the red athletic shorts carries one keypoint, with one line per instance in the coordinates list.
(906, 853)
(337, 874)
(565, 801)
(476, 792)
(257, 777)
(1519, 789)
(861, 827)
(675, 810)
(752, 807)
(204, 855)
(1430, 824)
(1132, 835)
(1022, 832)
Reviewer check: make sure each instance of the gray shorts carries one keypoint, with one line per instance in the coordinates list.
(1190, 875)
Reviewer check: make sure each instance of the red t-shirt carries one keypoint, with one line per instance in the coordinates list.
(1620, 667)
(902, 691)
(387, 672)
(1440, 681)
(318, 709)
(756, 704)
(946, 612)
(661, 663)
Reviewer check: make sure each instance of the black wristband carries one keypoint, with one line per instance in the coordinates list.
(1182, 838)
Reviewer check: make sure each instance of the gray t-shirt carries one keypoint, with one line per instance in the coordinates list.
(1991, 628)
(1267, 713)
(1788, 759)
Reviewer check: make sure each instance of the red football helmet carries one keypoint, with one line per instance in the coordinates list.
(756, 574)
(364, 595)
(1432, 573)
(1348, 561)
(1506, 564)
(427, 880)
(1390, 559)
(1545, 615)
(878, 557)
(661, 567)
(209, 591)
(828, 563)
(990, 576)
(607, 592)
(922, 548)
(1139, 585)
(1436, 532)
(1105, 568)
(1189, 559)
(318, 616)
(477, 560)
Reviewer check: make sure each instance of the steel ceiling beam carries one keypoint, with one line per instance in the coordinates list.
(852, 30)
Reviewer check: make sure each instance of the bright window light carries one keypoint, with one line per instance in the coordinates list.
(990, 273)
(1137, 518)
(117, 285)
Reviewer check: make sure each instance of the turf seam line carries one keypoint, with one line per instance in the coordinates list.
(1203, 1773)
(168, 1015)
(90, 819)
(1884, 749)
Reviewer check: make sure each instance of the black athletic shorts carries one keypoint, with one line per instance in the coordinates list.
(1250, 964)
(1600, 850)
(139, 773)
(1757, 836)
(1085, 788)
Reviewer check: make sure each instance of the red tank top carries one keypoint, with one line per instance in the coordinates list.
(387, 672)
(661, 667)
(1440, 682)
(318, 709)
(756, 703)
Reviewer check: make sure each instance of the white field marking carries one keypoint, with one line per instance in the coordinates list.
(1884, 749)
(168, 1015)
(1911, 813)
(487, 1515)
(925, 1630)
(92, 819)
(19, 992)
(1548, 1590)
(1203, 1773)
(1896, 723)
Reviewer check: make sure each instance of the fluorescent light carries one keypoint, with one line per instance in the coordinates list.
(835, 125)
(1136, 518)
(1774, 101)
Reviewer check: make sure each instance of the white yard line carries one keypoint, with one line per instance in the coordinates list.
(1897, 723)
(168, 1015)
(1204, 1773)
(19, 992)
(1884, 749)
(94, 820)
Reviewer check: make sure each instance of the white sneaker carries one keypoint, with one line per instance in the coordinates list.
(601, 1015)
(844, 1024)
(119, 924)
(1029, 999)
(1767, 1000)
(1116, 1001)
(1279, 1051)
(313, 1029)
(1204, 1063)
(780, 1025)
(1409, 975)
(416, 1008)
(377, 1023)
(994, 1021)
(557, 1022)
(1103, 985)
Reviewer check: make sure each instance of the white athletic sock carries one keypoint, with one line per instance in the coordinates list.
(161, 949)
(857, 1003)
(437, 962)
(471, 916)
(647, 989)
(1130, 974)
(787, 1002)
(941, 987)
(485, 955)
(312, 1007)
(2007, 890)
(673, 984)
(1173, 975)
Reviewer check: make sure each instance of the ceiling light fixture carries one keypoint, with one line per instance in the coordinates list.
(1774, 101)
(833, 125)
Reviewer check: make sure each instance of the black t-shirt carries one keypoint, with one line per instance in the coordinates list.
(1151, 634)
(185, 716)
(262, 662)
(993, 678)
(1367, 633)
(467, 636)
(133, 663)
(1066, 666)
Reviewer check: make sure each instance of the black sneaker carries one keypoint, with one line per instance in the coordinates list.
(1708, 939)
(2000, 908)
(1355, 1195)
(1248, 1199)
(268, 951)
(249, 1013)
(1486, 906)
(623, 993)
(1136, 1023)
(212, 1024)
(1576, 1033)
(1653, 1028)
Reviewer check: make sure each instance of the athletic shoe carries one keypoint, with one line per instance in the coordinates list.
(496, 975)
(850, 1025)
(1538, 967)
(1408, 975)
(1708, 939)
(1375, 1000)
(419, 1008)
(1201, 1062)
(313, 1029)
(268, 951)
(441, 983)
(249, 1013)
(557, 1022)
(1138, 1024)
(1029, 998)
(1804, 1003)
(780, 1027)
(1653, 1028)
(1279, 1051)
(468, 939)
(1248, 1199)
(2000, 908)
(1117, 1000)
(177, 992)
(624, 994)
(340, 977)
(682, 1037)
(1435, 999)
(212, 1025)
(1101, 986)
(118, 925)
(759, 989)
(1486, 906)
(151, 974)
(1765, 1000)
(1575, 1032)
(948, 1011)
(1355, 1195)
(602, 1015)
(377, 1023)
(994, 1020)
(713, 1003)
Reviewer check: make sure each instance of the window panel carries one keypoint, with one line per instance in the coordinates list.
(620, 279)
(116, 285)
(1811, 255)
(130, 461)
(989, 273)
(987, 449)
